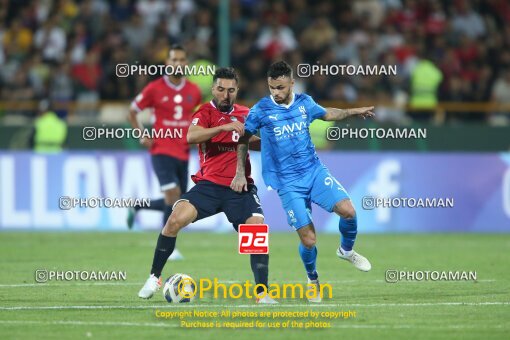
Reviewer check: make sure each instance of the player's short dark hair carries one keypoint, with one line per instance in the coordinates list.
(225, 73)
(176, 47)
(279, 69)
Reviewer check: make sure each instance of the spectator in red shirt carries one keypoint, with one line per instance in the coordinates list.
(88, 73)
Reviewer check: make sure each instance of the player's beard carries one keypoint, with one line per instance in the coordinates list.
(284, 100)
(223, 106)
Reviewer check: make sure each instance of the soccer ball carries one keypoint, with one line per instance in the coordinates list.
(179, 288)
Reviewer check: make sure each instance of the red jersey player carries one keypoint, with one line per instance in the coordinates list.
(173, 100)
(216, 127)
(216, 162)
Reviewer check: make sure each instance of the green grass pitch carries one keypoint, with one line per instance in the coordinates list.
(403, 310)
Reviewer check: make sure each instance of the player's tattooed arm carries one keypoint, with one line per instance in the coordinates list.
(239, 182)
(198, 134)
(254, 143)
(334, 114)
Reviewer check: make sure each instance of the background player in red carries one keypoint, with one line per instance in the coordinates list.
(216, 127)
(173, 99)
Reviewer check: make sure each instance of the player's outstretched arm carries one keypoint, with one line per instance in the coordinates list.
(334, 114)
(254, 143)
(198, 134)
(239, 182)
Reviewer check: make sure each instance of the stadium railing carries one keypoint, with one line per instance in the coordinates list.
(111, 111)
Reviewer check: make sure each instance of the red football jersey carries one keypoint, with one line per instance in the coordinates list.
(173, 107)
(218, 156)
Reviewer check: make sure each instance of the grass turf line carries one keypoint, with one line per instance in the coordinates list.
(420, 310)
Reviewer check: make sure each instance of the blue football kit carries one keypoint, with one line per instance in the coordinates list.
(290, 164)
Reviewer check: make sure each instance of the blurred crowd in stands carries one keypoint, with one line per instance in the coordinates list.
(67, 50)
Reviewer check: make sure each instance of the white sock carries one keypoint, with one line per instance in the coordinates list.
(346, 252)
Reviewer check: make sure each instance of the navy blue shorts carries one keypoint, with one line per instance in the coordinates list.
(210, 198)
(171, 172)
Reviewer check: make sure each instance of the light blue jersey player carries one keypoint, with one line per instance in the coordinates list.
(291, 166)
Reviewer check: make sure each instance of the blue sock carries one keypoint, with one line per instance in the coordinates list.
(309, 257)
(348, 228)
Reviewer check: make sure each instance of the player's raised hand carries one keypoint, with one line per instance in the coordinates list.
(365, 112)
(239, 184)
(234, 126)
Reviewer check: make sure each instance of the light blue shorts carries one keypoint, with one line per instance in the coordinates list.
(319, 187)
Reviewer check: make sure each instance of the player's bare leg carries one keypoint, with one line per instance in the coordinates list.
(308, 253)
(307, 235)
(349, 228)
(183, 214)
(260, 267)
